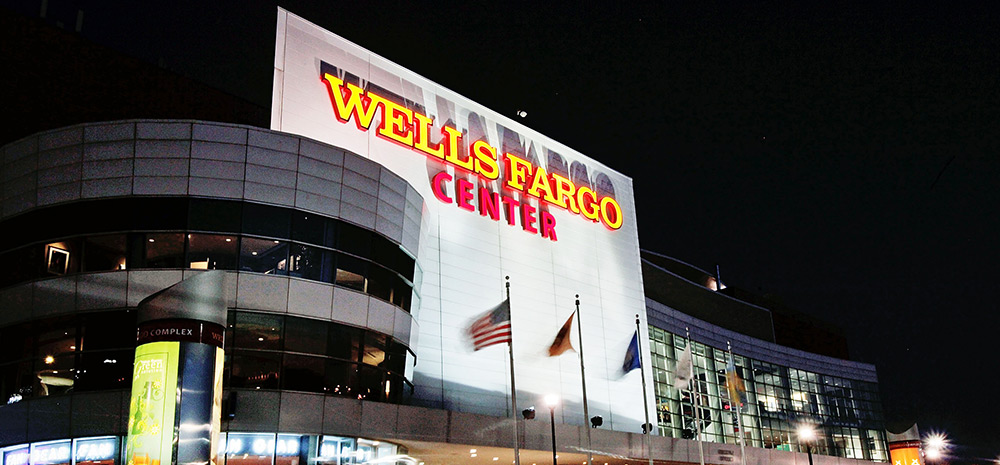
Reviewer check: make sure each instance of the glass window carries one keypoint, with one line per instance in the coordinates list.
(109, 369)
(312, 228)
(374, 353)
(306, 336)
(351, 272)
(334, 450)
(341, 378)
(51, 453)
(211, 251)
(380, 282)
(372, 383)
(311, 263)
(16, 382)
(108, 330)
(21, 265)
(249, 449)
(164, 250)
(152, 213)
(214, 215)
(62, 257)
(344, 342)
(96, 451)
(266, 256)
(291, 449)
(303, 373)
(265, 220)
(104, 253)
(355, 240)
(15, 343)
(258, 331)
(54, 375)
(258, 370)
(16, 455)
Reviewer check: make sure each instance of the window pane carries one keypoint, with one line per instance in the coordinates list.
(306, 336)
(354, 240)
(51, 453)
(249, 449)
(258, 370)
(264, 256)
(164, 250)
(344, 342)
(380, 282)
(16, 380)
(311, 263)
(104, 253)
(264, 220)
(351, 272)
(374, 348)
(21, 265)
(214, 215)
(341, 378)
(303, 373)
(108, 330)
(104, 370)
(291, 449)
(211, 252)
(312, 228)
(54, 375)
(158, 213)
(372, 385)
(15, 344)
(62, 257)
(96, 451)
(258, 331)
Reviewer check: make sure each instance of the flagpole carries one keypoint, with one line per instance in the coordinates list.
(513, 387)
(696, 401)
(583, 380)
(738, 404)
(645, 403)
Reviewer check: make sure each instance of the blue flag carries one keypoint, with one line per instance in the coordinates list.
(632, 360)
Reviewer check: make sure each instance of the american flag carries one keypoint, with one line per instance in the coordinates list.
(493, 327)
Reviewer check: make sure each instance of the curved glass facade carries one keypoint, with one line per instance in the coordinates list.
(89, 352)
(846, 413)
(233, 449)
(163, 232)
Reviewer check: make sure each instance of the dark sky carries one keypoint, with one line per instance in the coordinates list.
(841, 157)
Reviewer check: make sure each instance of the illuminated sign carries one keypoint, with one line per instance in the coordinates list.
(96, 449)
(47, 453)
(410, 128)
(152, 405)
(905, 453)
(16, 456)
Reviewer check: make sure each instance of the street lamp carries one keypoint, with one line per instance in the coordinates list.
(552, 400)
(807, 434)
(935, 446)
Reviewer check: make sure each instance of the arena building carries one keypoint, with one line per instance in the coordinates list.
(359, 238)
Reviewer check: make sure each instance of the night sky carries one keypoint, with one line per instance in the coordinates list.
(843, 158)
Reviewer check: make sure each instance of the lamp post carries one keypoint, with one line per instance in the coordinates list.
(551, 401)
(807, 434)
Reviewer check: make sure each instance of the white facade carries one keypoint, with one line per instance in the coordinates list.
(464, 256)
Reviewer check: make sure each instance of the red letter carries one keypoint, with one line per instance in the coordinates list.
(549, 226)
(528, 218)
(489, 203)
(510, 204)
(463, 190)
(436, 186)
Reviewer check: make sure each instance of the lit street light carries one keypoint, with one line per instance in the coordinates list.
(935, 446)
(807, 434)
(552, 400)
